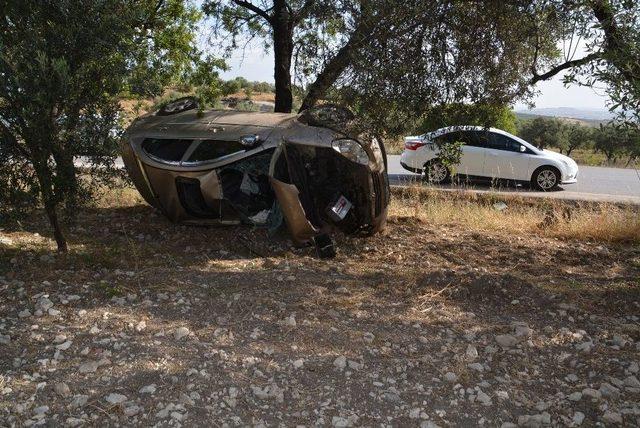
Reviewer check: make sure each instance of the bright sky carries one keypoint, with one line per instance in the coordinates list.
(256, 65)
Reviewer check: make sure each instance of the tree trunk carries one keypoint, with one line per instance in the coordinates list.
(327, 77)
(283, 51)
(49, 198)
(58, 234)
(338, 64)
(66, 172)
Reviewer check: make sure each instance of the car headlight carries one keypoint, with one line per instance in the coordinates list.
(351, 150)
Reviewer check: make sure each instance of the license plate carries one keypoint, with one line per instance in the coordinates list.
(341, 208)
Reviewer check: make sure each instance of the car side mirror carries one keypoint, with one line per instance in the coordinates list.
(250, 141)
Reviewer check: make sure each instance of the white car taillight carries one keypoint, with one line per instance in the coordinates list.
(413, 144)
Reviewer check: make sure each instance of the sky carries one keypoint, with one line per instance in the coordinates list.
(256, 65)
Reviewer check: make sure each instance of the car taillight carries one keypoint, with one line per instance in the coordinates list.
(413, 145)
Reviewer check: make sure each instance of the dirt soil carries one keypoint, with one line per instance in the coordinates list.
(150, 323)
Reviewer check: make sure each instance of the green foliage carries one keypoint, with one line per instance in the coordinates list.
(62, 66)
(459, 114)
(615, 141)
(544, 132)
(450, 153)
(238, 84)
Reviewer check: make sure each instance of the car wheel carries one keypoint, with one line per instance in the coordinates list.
(178, 106)
(436, 172)
(545, 179)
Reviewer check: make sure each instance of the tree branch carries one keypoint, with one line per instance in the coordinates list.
(301, 13)
(564, 66)
(255, 9)
(8, 136)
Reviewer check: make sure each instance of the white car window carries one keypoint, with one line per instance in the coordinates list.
(502, 142)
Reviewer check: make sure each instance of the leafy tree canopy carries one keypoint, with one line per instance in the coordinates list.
(62, 65)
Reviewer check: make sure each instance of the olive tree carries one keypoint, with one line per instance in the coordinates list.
(62, 65)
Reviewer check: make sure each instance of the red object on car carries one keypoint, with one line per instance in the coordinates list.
(413, 145)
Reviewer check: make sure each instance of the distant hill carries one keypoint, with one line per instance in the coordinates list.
(571, 112)
(586, 117)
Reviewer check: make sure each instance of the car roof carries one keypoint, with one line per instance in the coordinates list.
(456, 128)
(449, 129)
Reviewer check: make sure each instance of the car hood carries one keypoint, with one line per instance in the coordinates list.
(558, 156)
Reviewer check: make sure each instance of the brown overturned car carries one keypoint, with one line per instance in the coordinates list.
(316, 170)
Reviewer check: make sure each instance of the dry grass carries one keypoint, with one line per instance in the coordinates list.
(551, 218)
(255, 96)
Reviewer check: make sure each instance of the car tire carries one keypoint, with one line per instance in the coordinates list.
(435, 172)
(545, 178)
(178, 106)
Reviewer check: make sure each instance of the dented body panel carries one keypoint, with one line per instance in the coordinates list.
(228, 167)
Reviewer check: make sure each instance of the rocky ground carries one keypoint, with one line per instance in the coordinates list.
(148, 323)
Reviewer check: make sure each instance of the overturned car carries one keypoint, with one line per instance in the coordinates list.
(315, 171)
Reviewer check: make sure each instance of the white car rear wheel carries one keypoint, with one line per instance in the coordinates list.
(436, 172)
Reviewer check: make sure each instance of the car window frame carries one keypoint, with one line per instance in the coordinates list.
(197, 143)
(513, 144)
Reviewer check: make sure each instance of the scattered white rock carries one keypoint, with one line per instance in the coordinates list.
(585, 347)
(340, 362)
(578, 418)
(44, 304)
(592, 393)
(290, 321)
(92, 366)
(298, 363)
(268, 392)
(476, 367)
(471, 353)
(181, 332)
(575, 396)
(64, 346)
(115, 398)
(62, 389)
(612, 417)
(149, 389)
(132, 410)
(522, 330)
(483, 398)
(141, 326)
(534, 420)
(450, 377)
(506, 340)
(608, 390)
(339, 422)
(74, 422)
(41, 410)
(24, 314)
(632, 382)
(79, 401)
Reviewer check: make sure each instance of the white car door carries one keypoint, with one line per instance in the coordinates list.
(506, 158)
(473, 152)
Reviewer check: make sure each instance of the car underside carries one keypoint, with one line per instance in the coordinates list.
(289, 174)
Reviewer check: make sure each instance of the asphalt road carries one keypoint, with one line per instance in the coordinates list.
(594, 184)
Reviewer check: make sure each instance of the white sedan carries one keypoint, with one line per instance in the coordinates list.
(488, 153)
